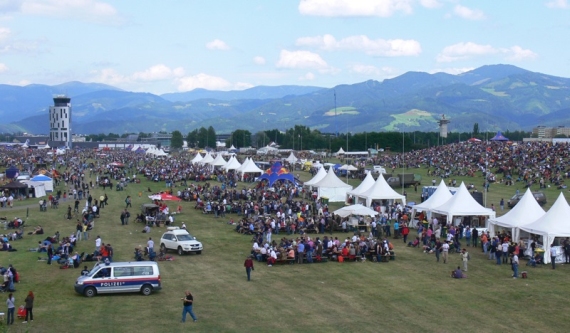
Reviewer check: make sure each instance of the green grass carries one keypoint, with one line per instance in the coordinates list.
(409, 118)
(412, 293)
(347, 110)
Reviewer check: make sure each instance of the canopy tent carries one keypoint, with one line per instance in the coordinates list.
(39, 188)
(340, 151)
(12, 172)
(363, 187)
(232, 164)
(13, 185)
(275, 173)
(380, 190)
(140, 150)
(438, 198)
(552, 224)
(526, 211)
(317, 178)
(291, 159)
(462, 204)
(232, 149)
(164, 197)
(218, 161)
(249, 167)
(332, 187)
(160, 152)
(473, 140)
(348, 167)
(499, 137)
(44, 180)
(355, 210)
(207, 159)
(197, 158)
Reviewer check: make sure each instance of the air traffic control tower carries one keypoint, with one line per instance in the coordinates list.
(443, 126)
(60, 120)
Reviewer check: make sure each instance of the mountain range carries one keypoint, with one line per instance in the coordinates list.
(498, 97)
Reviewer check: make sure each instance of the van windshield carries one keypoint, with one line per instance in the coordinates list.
(186, 237)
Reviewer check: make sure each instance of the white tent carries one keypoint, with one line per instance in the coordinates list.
(348, 167)
(526, 211)
(160, 152)
(317, 178)
(291, 159)
(332, 187)
(207, 159)
(340, 151)
(46, 181)
(552, 224)
(39, 187)
(242, 165)
(380, 190)
(438, 198)
(197, 158)
(355, 210)
(462, 204)
(363, 187)
(218, 161)
(232, 164)
(249, 167)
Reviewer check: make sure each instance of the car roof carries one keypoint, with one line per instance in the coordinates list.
(126, 263)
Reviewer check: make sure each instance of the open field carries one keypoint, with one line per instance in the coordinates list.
(412, 293)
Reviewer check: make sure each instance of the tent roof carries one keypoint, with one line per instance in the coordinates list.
(218, 161)
(364, 186)
(291, 159)
(463, 204)
(340, 151)
(207, 159)
(13, 185)
(499, 137)
(526, 211)
(554, 222)
(357, 209)
(380, 190)
(249, 167)
(232, 164)
(317, 178)
(438, 198)
(197, 158)
(331, 180)
(41, 178)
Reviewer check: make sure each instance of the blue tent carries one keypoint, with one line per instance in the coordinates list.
(41, 178)
(499, 137)
(12, 172)
(277, 172)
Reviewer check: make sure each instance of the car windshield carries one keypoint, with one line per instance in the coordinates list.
(185, 237)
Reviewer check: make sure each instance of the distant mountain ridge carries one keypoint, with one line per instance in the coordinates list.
(495, 96)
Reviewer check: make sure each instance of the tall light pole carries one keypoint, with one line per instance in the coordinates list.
(335, 118)
(403, 163)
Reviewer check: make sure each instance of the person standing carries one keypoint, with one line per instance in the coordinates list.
(502, 204)
(11, 303)
(49, 254)
(123, 215)
(248, 264)
(188, 301)
(150, 245)
(465, 259)
(445, 251)
(515, 263)
(128, 202)
(474, 236)
(98, 244)
(553, 256)
(29, 307)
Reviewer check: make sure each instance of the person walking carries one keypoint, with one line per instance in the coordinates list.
(11, 303)
(515, 263)
(445, 251)
(128, 202)
(188, 301)
(553, 256)
(465, 259)
(29, 307)
(248, 264)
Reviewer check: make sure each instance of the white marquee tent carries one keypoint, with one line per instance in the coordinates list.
(44, 180)
(292, 159)
(218, 161)
(355, 210)
(526, 211)
(317, 178)
(197, 158)
(462, 203)
(332, 187)
(233, 164)
(363, 187)
(552, 224)
(438, 198)
(207, 159)
(249, 167)
(380, 190)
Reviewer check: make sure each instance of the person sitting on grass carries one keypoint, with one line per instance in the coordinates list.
(146, 229)
(38, 230)
(458, 274)
(415, 243)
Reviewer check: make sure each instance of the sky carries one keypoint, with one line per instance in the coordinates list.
(180, 45)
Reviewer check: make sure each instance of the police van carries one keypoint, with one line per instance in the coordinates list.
(120, 277)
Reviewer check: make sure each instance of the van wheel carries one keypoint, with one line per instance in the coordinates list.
(146, 290)
(163, 248)
(90, 292)
(180, 252)
(198, 252)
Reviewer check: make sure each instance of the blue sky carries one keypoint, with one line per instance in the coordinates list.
(180, 45)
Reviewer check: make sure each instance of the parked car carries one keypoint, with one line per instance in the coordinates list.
(539, 196)
(179, 240)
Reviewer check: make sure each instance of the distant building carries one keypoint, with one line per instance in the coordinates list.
(549, 132)
(162, 138)
(443, 126)
(60, 121)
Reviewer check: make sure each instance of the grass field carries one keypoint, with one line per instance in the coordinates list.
(410, 294)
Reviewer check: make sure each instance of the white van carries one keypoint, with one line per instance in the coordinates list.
(120, 277)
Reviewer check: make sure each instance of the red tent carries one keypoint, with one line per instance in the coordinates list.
(473, 140)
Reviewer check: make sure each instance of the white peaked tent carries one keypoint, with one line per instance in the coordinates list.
(207, 159)
(317, 178)
(291, 159)
(218, 161)
(438, 198)
(525, 212)
(355, 210)
(150, 151)
(363, 187)
(332, 187)
(552, 224)
(249, 167)
(380, 190)
(232, 164)
(197, 158)
(242, 165)
(232, 148)
(340, 151)
(462, 204)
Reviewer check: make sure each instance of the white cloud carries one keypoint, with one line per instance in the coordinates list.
(301, 60)
(158, 72)
(4, 34)
(558, 4)
(451, 70)
(468, 13)
(430, 3)
(109, 76)
(88, 10)
(376, 47)
(217, 44)
(370, 70)
(3, 68)
(259, 60)
(461, 51)
(307, 77)
(10, 45)
(358, 8)
(204, 81)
